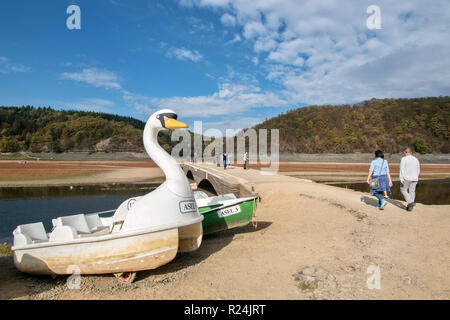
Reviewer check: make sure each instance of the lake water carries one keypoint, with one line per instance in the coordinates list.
(34, 204)
(427, 192)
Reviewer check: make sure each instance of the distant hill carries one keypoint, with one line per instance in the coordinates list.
(48, 130)
(386, 124)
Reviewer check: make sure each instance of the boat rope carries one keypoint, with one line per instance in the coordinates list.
(254, 217)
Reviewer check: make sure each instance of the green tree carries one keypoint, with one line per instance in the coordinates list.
(420, 146)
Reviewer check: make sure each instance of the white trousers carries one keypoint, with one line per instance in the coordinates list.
(409, 191)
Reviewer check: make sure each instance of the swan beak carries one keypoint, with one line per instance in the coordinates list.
(174, 124)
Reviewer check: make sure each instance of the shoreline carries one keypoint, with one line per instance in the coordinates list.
(285, 157)
(19, 173)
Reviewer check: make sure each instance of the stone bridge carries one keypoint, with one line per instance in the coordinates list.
(214, 181)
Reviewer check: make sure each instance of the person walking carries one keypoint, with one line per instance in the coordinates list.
(218, 160)
(409, 176)
(379, 178)
(245, 160)
(224, 161)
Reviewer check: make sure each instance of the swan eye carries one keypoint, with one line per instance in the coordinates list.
(171, 116)
(163, 116)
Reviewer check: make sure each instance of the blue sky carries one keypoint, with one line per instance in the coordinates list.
(229, 63)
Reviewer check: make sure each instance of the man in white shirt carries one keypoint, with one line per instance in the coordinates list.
(245, 160)
(409, 176)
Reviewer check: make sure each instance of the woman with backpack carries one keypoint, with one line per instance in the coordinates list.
(379, 178)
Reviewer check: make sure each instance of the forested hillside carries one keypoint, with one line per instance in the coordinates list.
(44, 129)
(387, 124)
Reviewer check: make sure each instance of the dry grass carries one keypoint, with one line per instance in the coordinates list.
(5, 249)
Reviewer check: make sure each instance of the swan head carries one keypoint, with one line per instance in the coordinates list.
(165, 119)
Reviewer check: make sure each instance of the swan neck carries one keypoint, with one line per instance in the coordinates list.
(175, 177)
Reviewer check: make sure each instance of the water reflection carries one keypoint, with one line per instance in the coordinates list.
(427, 192)
(72, 191)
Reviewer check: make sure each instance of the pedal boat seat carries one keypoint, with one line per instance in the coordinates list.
(30, 233)
(77, 226)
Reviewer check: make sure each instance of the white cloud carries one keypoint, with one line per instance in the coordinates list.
(228, 20)
(97, 77)
(233, 124)
(313, 52)
(184, 54)
(231, 103)
(321, 51)
(254, 29)
(236, 38)
(6, 66)
(198, 25)
(140, 103)
(263, 44)
(229, 99)
(90, 104)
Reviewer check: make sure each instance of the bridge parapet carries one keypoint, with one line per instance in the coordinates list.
(222, 184)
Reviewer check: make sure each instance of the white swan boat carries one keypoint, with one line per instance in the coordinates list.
(143, 233)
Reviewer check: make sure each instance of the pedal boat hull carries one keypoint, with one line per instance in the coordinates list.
(113, 253)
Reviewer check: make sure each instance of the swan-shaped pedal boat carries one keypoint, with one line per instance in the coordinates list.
(144, 232)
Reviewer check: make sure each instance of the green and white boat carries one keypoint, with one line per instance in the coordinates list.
(225, 211)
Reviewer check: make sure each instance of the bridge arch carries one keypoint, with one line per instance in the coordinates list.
(205, 184)
(212, 181)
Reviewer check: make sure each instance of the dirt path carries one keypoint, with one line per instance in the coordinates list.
(313, 241)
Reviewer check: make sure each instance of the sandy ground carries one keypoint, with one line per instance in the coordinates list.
(313, 241)
(34, 173)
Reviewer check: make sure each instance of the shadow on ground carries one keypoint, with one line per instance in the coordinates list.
(374, 202)
(369, 201)
(15, 284)
(211, 243)
(397, 203)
